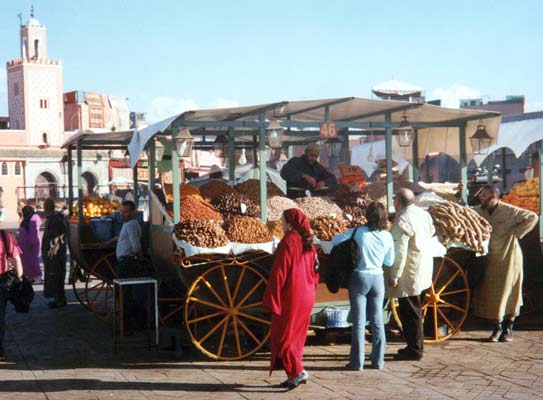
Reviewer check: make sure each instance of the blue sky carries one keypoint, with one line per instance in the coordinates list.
(169, 56)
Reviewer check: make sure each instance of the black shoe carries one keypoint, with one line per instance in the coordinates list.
(57, 303)
(496, 333)
(507, 331)
(404, 350)
(408, 355)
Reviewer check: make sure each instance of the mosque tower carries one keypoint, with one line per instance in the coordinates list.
(35, 99)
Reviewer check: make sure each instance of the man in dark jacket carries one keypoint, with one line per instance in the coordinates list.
(53, 252)
(305, 173)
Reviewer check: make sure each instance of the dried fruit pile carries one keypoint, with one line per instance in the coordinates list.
(276, 229)
(251, 189)
(215, 188)
(206, 234)
(455, 223)
(247, 230)
(525, 195)
(95, 206)
(199, 210)
(314, 207)
(277, 205)
(356, 215)
(236, 204)
(325, 228)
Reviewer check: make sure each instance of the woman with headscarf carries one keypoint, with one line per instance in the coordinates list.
(29, 242)
(290, 296)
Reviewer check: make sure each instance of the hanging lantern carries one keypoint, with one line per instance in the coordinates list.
(183, 142)
(63, 164)
(275, 134)
(242, 159)
(220, 143)
(480, 140)
(406, 133)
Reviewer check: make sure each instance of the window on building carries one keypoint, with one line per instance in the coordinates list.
(5, 170)
(18, 168)
(16, 88)
(43, 103)
(36, 49)
(44, 138)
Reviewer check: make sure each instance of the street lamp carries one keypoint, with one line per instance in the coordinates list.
(406, 133)
(183, 142)
(220, 143)
(275, 134)
(480, 141)
(63, 164)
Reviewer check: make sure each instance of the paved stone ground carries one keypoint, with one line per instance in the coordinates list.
(67, 354)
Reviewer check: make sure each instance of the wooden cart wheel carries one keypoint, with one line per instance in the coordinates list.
(223, 311)
(78, 291)
(445, 304)
(97, 293)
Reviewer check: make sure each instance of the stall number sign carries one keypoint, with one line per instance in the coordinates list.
(328, 130)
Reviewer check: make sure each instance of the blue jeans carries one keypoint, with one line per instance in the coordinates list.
(366, 293)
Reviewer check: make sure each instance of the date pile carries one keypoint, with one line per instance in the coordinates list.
(251, 189)
(276, 228)
(460, 224)
(356, 215)
(199, 210)
(325, 228)
(247, 230)
(314, 207)
(277, 205)
(215, 188)
(235, 204)
(206, 234)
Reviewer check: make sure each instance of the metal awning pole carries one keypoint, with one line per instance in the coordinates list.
(255, 156)
(150, 187)
(504, 173)
(541, 192)
(79, 191)
(415, 157)
(263, 169)
(70, 182)
(135, 184)
(231, 155)
(175, 178)
(388, 147)
(463, 163)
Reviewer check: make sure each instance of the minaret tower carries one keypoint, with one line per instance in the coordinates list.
(35, 89)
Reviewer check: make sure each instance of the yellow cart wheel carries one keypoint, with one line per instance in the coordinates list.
(223, 311)
(445, 304)
(97, 294)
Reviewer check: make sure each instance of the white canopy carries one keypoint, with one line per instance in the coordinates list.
(361, 152)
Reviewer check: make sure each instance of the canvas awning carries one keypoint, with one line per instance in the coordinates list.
(438, 127)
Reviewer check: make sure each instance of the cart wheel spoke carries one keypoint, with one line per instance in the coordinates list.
(213, 291)
(97, 292)
(451, 325)
(238, 284)
(236, 333)
(447, 304)
(260, 282)
(227, 287)
(436, 325)
(252, 317)
(453, 292)
(252, 305)
(223, 335)
(207, 303)
(194, 320)
(213, 330)
(249, 332)
(448, 282)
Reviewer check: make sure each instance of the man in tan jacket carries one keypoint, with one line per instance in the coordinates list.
(499, 296)
(411, 273)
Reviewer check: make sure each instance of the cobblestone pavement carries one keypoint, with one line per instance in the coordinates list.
(67, 354)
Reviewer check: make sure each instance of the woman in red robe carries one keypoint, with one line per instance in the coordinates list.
(290, 296)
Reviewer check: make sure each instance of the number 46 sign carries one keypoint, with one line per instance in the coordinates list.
(328, 130)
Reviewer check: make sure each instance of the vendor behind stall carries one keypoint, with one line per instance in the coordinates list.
(305, 173)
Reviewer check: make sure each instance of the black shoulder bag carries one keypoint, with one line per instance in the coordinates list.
(343, 259)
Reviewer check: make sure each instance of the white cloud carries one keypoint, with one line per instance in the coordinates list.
(451, 96)
(165, 106)
(225, 103)
(533, 106)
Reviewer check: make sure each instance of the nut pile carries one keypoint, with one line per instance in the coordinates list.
(189, 190)
(325, 228)
(460, 224)
(247, 230)
(199, 210)
(277, 205)
(251, 189)
(206, 234)
(357, 214)
(276, 229)
(231, 204)
(214, 188)
(343, 196)
(314, 207)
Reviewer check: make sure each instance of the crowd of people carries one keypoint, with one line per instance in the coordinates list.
(391, 264)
